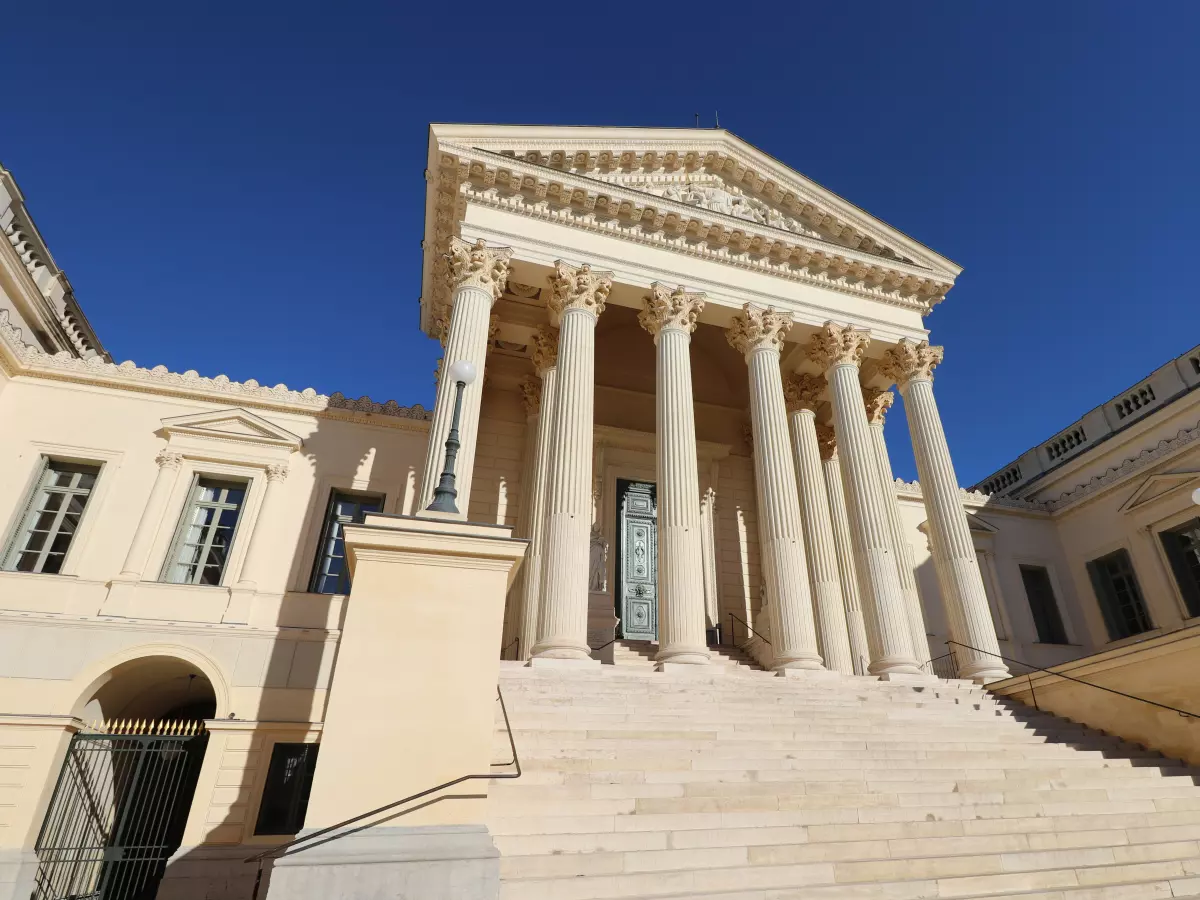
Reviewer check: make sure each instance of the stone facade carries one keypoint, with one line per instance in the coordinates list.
(653, 305)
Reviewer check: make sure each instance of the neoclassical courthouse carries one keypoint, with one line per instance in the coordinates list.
(671, 478)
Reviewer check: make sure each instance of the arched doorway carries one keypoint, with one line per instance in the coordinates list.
(123, 795)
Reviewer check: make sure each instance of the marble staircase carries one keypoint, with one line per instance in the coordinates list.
(739, 785)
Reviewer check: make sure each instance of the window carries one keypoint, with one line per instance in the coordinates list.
(200, 551)
(1182, 545)
(330, 574)
(1119, 596)
(1046, 617)
(285, 795)
(51, 518)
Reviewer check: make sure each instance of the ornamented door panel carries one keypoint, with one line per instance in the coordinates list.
(637, 593)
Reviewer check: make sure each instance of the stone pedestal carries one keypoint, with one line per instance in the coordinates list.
(412, 705)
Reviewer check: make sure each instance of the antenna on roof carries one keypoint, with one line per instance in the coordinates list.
(717, 116)
(697, 120)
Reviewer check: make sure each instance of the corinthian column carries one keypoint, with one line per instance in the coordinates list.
(911, 367)
(578, 299)
(803, 393)
(671, 317)
(545, 360)
(878, 402)
(838, 350)
(757, 335)
(478, 275)
(831, 469)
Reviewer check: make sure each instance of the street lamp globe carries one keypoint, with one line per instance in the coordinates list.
(464, 371)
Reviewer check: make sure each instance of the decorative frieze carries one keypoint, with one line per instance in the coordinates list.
(665, 308)
(757, 328)
(910, 361)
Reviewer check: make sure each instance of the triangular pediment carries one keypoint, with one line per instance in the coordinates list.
(237, 425)
(1157, 486)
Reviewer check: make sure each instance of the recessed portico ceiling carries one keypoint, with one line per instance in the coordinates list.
(703, 192)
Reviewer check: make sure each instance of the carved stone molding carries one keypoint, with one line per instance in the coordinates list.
(169, 459)
(878, 402)
(910, 361)
(836, 345)
(826, 441)
(531, 395)
(159, 380)
(975, 499)
(665, 308)
(756, 328)
(578, 287)
(544, 349)
(480, 266)
(803, 391)
(277, 472)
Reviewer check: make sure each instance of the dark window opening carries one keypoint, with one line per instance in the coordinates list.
(331, 573)
(1119, 595)
(285, 795)
(1182, 545)
(1046, 616)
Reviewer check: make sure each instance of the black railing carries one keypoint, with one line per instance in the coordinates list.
(749, 629)
(1033, 696)
(327, 834)
(941, 666)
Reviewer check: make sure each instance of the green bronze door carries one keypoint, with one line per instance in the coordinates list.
(637, 561)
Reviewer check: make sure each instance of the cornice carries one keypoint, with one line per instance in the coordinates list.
(19, 358)
(973, 499)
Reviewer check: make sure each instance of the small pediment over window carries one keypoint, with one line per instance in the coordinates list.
(1157, 486)
(236, 425)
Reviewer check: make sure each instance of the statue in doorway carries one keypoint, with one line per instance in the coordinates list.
(597, 560)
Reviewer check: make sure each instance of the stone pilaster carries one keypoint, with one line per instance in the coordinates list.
(911, 366)
(803, 393)
(545, 361)
(708, 544)
(831, 469)
(478, 275)
(256, 563)
(670, 315)
(878, 402)
(578, 298)
(757, 334)
(169, 464)
(838, 350)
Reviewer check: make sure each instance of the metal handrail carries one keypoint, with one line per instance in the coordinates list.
(289, 848)
(1174, 709)
(749, 628)
(602, 646)
(514, 642)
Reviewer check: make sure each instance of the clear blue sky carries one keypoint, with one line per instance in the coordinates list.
(238, 189)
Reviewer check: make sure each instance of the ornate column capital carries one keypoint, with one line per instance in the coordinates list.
(578, 287)
(169, 459)
(826, 441)
(477, 265)
(277, 472)
(803, 391)
(544, 350)
(878, 402)
(758, 329)
(665, 309)
(838, 345)
(909, 361)
(531, 395)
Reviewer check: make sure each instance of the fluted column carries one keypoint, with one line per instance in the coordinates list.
(911, 366)
(877, 403)
(545, 360)
(708, 548)
(831, 469)
(255, 567)
(803, 393)
(671, 317)
(838, 350)
(478, 275)
(169, 464)
(578, 299)
(757, 334)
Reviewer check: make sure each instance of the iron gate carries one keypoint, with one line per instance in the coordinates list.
(118, 810)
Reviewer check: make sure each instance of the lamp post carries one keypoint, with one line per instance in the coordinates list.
(461, 373)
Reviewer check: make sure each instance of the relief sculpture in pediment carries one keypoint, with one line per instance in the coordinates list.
(717, 198)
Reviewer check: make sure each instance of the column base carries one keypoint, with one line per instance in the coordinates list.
(438, 862)
(892, 665)
(806, 664)
(984, 673)
(684, 656)
(18, 870)
(554, 662)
